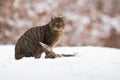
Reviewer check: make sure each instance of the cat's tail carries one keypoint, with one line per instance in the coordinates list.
(66, 55)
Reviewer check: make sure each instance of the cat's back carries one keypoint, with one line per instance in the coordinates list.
(32, 36)
(35, 33)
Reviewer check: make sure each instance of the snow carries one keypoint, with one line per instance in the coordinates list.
(90, 63)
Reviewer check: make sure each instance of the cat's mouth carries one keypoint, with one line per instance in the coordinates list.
(58, 29)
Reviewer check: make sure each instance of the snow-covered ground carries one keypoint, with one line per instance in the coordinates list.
(90, 63)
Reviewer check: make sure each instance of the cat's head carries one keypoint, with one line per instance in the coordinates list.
(57, 23)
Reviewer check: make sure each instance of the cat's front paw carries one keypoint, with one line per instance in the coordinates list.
(51, 55)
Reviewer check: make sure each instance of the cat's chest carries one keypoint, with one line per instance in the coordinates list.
(53, 38)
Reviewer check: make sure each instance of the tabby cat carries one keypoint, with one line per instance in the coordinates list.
(49, 34)
(30, 44)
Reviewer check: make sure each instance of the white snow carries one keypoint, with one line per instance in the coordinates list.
(90, 63)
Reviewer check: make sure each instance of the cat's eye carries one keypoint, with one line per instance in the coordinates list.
(61, 23)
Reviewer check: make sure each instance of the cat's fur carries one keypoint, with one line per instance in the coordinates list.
(49, 34)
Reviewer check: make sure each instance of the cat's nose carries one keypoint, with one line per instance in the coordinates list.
(61, 24)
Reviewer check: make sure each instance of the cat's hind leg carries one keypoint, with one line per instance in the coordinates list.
(18, 56)
(38, 53)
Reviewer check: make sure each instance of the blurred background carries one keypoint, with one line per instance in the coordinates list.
(88, 22)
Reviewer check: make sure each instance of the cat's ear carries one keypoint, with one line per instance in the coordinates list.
(53, 17)
(63, 17)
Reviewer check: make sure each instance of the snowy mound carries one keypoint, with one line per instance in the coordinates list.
(90, 63)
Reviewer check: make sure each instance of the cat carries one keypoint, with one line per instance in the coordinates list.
(41, 39)
(49, 34)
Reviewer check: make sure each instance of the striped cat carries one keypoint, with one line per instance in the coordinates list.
(49, 34)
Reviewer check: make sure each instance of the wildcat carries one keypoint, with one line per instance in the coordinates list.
(50, 34)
